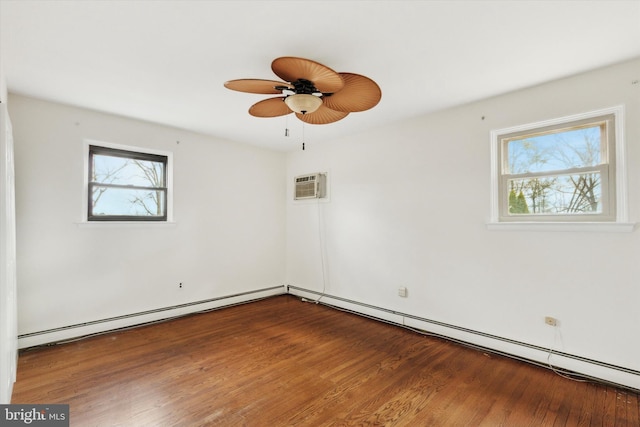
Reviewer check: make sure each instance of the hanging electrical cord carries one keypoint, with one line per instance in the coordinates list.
(302, 136)
(558, 335)
(286, 125)
(321, 241)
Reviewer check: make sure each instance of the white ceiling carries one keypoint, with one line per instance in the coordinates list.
(166, 61)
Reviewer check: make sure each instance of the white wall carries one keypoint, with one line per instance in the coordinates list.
(409, 206)
(3, 87)
(8, 285)
(228, 236)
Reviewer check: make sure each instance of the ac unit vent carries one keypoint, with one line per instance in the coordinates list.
(310, 186)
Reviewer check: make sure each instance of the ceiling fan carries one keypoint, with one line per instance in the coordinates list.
(314, 92)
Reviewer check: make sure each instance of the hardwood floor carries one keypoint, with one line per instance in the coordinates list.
(281, 362)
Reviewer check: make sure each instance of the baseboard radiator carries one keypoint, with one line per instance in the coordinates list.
(570, 364)
(584, 367)
(80, 330)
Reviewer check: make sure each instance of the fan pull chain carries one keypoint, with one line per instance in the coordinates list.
(286, 126)
(302, 136)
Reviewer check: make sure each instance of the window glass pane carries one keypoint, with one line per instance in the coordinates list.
(126, 171)
(127, 201)
(563, 194)
(564, 149)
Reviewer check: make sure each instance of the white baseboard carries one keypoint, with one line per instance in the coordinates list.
(588, 368)
(98, 326)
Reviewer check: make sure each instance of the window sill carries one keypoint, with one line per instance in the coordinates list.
(607, 227)
(126, 224)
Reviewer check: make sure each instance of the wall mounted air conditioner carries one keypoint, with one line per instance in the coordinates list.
(312, 186)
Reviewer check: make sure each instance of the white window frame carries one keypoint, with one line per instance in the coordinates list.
(85, 189)
(557, 222)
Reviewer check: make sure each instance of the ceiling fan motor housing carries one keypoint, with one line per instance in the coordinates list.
(303, 86)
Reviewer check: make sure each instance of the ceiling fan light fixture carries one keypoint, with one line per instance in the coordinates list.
(303, 103)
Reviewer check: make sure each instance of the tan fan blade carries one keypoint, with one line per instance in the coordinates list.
(322, 116)
(358, 94)
(272, 107)
(291, 69)
(266, 87)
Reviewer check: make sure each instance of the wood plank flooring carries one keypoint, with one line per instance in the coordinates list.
(282, 362)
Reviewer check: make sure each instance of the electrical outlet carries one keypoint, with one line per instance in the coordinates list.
(402, 291)
(551, 321)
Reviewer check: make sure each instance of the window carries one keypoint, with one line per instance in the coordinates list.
(126, 185)
(565, 170)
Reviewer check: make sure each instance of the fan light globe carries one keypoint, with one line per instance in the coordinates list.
(303, 103)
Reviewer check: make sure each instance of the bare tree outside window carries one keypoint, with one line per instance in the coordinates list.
(126, 185)
(553, 172)
(152, 201)
(108, 175)
(563, 170)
